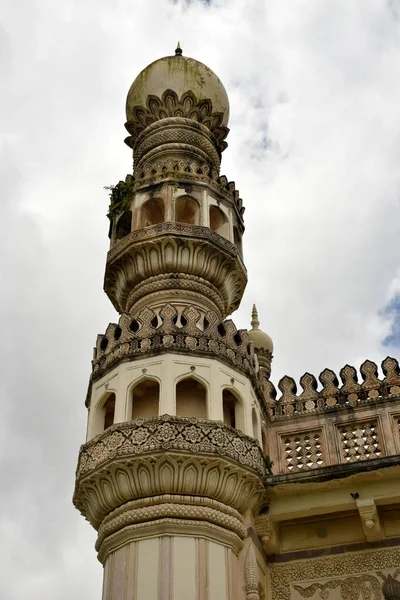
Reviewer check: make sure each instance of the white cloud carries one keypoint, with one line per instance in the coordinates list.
(314, 145)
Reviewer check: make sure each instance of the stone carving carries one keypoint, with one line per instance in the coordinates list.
(175, 250)
(180, 229)
(353, 564)
(303, 450)
(251, 576)
(333, 397)
(367, 587)
(181, 330)
(171, 433)
(170, 105)
(360, 441)
(173, 455)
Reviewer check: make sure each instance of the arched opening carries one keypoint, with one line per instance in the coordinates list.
(187, 211)
(104, 414)
(237, 239)
(219, 222)
(145, 399)
(109, 411)
(191, 399)
(254, 420)
(124, 225)
(152, 212)
(232, 410)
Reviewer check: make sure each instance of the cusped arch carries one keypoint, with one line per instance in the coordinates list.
(219, 222)
(152, 212)
(233, 408)
(124, 225)
(144, 398)
(187, 210)
(191, 397)
(104, 412)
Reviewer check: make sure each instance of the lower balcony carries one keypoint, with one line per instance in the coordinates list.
(168, 455)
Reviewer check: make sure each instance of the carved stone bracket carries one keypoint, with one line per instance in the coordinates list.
(267, 532)
(370, 520)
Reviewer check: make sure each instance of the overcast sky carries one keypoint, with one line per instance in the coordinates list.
(314, 149)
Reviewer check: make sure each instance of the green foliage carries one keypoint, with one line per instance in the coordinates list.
(120, 197)
(268, 464)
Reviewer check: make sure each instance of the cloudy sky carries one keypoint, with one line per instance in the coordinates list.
(314, 147)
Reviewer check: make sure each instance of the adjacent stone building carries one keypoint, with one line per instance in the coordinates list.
(203, 480)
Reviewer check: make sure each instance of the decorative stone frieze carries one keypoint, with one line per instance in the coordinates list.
(171, 329)
(170, 105)
(174, 455)
(352, 575)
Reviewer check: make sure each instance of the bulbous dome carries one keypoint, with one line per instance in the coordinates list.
(180, 74)
(260, 339)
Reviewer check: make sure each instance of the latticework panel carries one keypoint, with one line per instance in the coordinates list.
(303, 451)
(360, 441)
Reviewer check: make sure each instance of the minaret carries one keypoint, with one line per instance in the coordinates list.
(172, 472)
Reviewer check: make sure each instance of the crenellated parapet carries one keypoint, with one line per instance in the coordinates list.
(345, 421)
(180, 330)
(332, 395)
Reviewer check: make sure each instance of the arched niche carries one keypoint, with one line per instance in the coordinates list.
(254, 422)
(124, 225)
(105, 413)
(219, 222)
(187, 210)
(152, 212)
(191, 398)
(232, 407)
(145, 399)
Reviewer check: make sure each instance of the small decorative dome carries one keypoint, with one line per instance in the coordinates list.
(180, 74)
(260, 339)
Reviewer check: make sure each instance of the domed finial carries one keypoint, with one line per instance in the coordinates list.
(178, 50)
(255, 323)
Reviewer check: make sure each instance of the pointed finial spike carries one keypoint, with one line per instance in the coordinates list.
(178, 50)
(255, 323)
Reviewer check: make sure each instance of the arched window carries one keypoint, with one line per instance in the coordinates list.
(254, 421)
(124, 225)
(191, 399)
(152, 212)
(104, 415)
(187, 211)
(219, 222)
(232, 410)
(145, 399)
